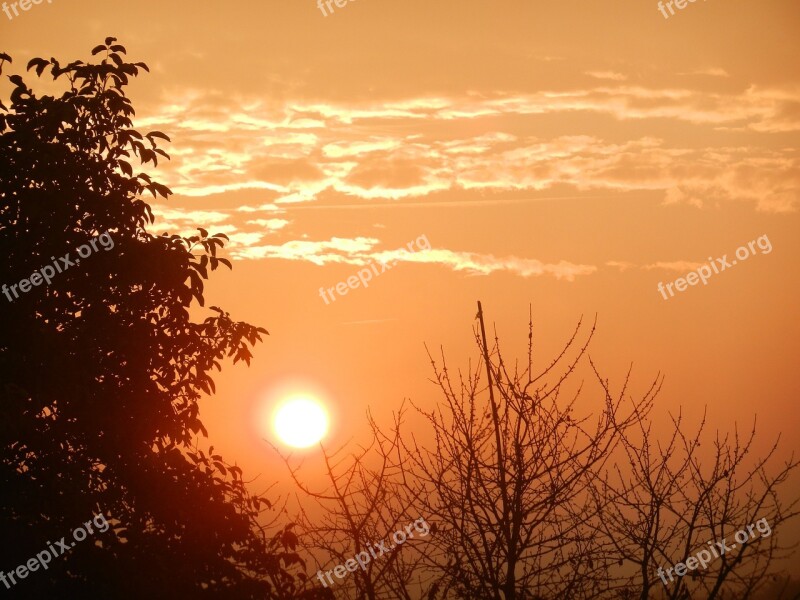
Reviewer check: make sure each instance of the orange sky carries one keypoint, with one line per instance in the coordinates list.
(567, 154)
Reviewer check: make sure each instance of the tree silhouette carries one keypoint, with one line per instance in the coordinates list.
(667, 502)
(506, 479)
(363, 502)
(535, 492)
(101, 366)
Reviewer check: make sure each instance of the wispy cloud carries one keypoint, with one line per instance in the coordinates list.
(607, 75)
(676, 265)
(414, 148)
(710, 72)
(362, 251)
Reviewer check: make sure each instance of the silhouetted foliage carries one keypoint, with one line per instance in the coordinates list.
(102, 369)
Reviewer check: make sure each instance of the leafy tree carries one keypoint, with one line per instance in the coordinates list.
(102, 365)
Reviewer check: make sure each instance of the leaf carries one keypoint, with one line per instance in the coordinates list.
(161, 189)
(98, 49)
(39, 63)
(289, 539)
(202, 266)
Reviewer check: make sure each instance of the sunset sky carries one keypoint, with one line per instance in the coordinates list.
(559, 154)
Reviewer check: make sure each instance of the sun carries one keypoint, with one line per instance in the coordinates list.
(300, 421)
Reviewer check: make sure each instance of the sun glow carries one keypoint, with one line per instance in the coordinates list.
(300, 421)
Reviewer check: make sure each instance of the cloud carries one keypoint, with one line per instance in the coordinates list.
(710, 72)
(675, 195)
(184, 221)
(606, 75)
(621, 265)
(412, 148)
(485, 264)
(336, 250)
(361, 251)
(677, 265)
(271, 224)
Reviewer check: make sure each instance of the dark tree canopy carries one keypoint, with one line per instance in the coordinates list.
(101, 369)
